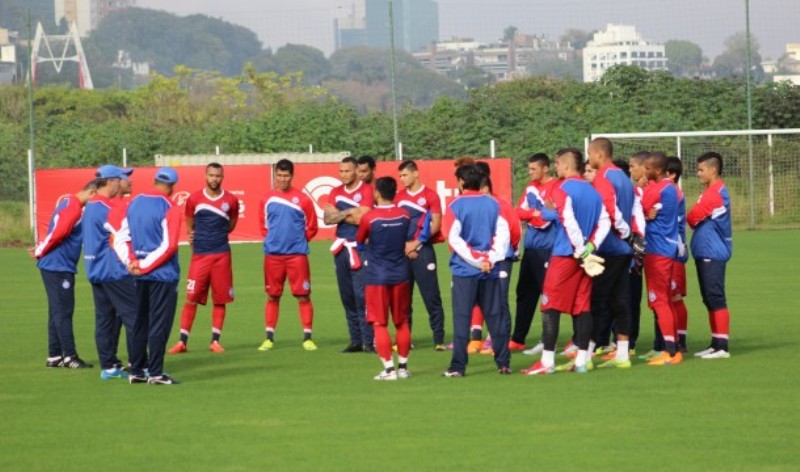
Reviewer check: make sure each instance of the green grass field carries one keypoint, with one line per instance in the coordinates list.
(288, 409)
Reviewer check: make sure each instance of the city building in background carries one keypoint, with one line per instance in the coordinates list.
(352, 29)
(416, 25)
(9, 66)
(620, 45)
(87, 14)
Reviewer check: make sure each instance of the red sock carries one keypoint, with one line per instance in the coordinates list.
(383, 342)
(712, 322)
(681, 316)
(722, 319)
(403, 335)
(271, 313)
(306, 314)
(666, 321)
(477, 316)
(187, 316)
(217, 317)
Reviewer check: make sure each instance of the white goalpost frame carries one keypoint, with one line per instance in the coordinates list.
(32, 197)
(769, 133)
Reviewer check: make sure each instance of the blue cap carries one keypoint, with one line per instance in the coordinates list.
(126, 172)
(167, 175)
(109, 171)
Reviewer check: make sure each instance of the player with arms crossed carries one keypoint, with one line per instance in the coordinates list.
(211, 214)
(678, 283)
(288, 221)
(712, 247)
(582, 226)
(57, 259)
(384, 230)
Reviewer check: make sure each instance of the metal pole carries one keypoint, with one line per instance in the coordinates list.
(124, 157)
(492, 149)
(31, 160)
(392, 73)
(399, 151)
(311, 149)
(32, 197)
(750, 117)
(771, 179)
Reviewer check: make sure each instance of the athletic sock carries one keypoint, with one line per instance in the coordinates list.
(721, 332)
(548, 358)
(383, 342)
(477, 317)
(580, 359)
(184, 336)
(306, 334)
(187, 319)
(271, 310)
(403, 339)
(591, 348)
(217, 320)
(271, 334)
(306, 314)
(476, 333)
(215, 333)
(622, 351)
(402, 362)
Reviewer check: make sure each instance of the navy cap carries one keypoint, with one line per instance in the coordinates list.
(167, 175)
(126, 172)
(108, 171)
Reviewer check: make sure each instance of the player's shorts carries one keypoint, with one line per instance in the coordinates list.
(658, 277)
(210, 271)
(379, 299)
(277, 268)
(677, 285)
(567, 288)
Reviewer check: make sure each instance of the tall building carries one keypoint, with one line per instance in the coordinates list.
(416, 23)
(620, 44)
(87, 14)
(351, 30)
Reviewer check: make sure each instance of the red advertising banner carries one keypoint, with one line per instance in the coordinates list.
(249, 182)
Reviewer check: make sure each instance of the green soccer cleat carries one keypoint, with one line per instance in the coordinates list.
(266, 345)
(650, 355)
(566, 367)
(626, 364)
(309, 345)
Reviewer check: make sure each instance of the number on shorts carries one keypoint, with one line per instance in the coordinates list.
(190, 285)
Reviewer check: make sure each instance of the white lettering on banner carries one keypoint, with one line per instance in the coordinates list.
(318, 189)
(179, 198)
(444, 193)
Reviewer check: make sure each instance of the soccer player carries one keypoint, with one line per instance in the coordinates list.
(478, 236)
(660, 204)
(611, 289)
(366, 169)
(113, 288)
(678, 283)
(710, 218)
(384, 230)
(422, 202)
(351, 201)
(581, 227)
(211, 214)
(288, 221)
(148, 244)
(539, 237)
(57, 259)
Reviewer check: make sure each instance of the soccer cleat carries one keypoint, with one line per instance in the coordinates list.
(589, 364)
(569, 348)
(119, 365)
(108, 374)
(566, 367)
(353, 347)
(162, 379)
(403, 374)
(368, 348)
(55, 361)
(572, 354)
(626, 364)
(487, 351)
(609, 356)
(450, 346)
(453, 373)
(75, 362)
(537, 349)
(580, 369)
(137, 379)
(504, 370)
(386, 375)
(474, 346)
(439, 348)
(515, 346)
(666, 359)
(266, 345)
(704, 352)
(718, 354)
(650, 355)
(538, 369)
(216, 347)
(178, 348)
(309, 345)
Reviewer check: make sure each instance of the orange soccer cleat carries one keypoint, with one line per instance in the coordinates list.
(216, 347)
(515, 346)
(474, 346)
(178, 348)
(666, 359)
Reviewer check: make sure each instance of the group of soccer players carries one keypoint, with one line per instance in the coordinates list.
(590, 233)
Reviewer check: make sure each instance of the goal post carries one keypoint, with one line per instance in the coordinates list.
(761, 169)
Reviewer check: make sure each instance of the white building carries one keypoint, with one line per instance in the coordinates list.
(620, 44)
(86, 14)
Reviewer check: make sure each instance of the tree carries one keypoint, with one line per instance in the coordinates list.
(577, 38)
(509, 33)
(733, 61)
(472, 77)
(299, 58)
(683, 57)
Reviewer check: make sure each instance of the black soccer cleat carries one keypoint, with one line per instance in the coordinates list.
(162, 379)
(75, 362)
(352, 347)
(452, 373)
(55, 361)
(504, 370)
(368, 348)
(137, 379)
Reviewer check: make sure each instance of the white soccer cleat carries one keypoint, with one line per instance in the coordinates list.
(718, 354)
(537, 349)
(403, 374)
(705, 352)
(386, 375)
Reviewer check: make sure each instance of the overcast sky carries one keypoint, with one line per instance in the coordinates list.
(706, 22)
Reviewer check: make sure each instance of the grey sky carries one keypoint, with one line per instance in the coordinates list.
(706, 22)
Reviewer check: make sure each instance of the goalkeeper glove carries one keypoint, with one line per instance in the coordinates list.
(637, 244)
(593, 265)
